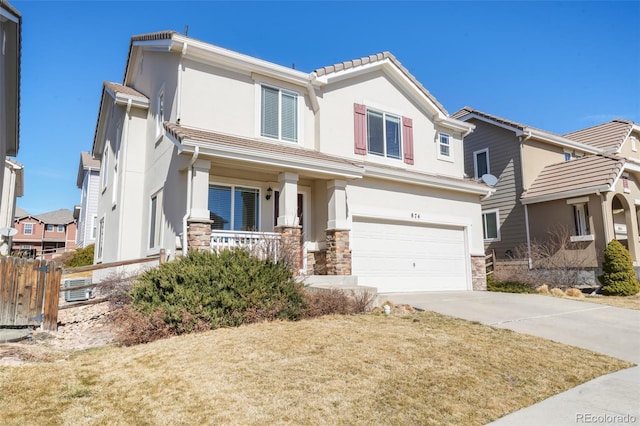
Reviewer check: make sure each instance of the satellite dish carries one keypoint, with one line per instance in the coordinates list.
(490, 180)
(8, 232)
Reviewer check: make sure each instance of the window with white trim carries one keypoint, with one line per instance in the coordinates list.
(27, 228)
(581, 219)
(60, 228)
(100, 247)
(279, 114)
(94, 226)
(481, 162)
(383, 134)
(625, 183)
(234, 208)
(49, 228)
(159, 112)
(105, 166)
(491, 225)
(155, 220)
(567, 156)
(444, 146)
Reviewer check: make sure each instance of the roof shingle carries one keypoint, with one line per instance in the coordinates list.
(609, 136)
(593, 172)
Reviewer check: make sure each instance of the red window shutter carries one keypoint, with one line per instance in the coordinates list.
(360, 126)
(407, 139)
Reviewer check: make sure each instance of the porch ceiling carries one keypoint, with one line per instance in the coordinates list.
(581, 176)
(264, 153)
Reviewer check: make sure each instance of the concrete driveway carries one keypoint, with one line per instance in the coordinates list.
(610, 399)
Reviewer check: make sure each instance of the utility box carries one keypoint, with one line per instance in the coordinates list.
(79, 295)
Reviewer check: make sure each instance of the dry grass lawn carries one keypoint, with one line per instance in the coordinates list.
(628, 302)
(370, 369)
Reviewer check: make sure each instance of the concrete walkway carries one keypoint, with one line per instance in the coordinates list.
(608, 400)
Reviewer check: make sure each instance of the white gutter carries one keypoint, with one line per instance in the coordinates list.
(526, 224)
(185, 239)
(559, 140)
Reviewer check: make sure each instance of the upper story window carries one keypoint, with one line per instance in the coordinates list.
(49, 228)
(383, 134)
(60, 228)
(634, 144)
(27, 228)
(444, 146)
(481, 162)
(105, 166)
(279, 114)
(567, 156)
(159, 112)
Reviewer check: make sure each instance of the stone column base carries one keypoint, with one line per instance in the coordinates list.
(338, 260)
(478, 273)
(291, 247)
(199, 234)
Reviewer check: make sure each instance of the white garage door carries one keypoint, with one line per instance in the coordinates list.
(398, 257)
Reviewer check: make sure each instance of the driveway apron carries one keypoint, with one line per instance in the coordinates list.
(607, 400)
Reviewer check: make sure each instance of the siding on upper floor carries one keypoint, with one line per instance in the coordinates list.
(504, 164)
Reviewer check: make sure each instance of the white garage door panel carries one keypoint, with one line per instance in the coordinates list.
(396, 257)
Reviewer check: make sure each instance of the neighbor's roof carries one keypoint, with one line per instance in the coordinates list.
(580, 176)
(376, 58)
(20, 212)
(221, 140)
(609, 136)
(56, 217)
(510, 123)
(87, 162)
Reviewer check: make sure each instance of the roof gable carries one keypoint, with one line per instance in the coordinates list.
(56, 217)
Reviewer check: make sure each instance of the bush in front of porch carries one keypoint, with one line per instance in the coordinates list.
(206, 290)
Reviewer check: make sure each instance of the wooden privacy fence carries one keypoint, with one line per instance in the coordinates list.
(490, 262)
(29, 292)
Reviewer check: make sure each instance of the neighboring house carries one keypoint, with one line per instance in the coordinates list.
(10, 34)
(356, 166)
(13, 186)
(45, 235)
(86, 214)
(585, 182)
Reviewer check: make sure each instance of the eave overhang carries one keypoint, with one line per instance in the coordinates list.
(557, 140)
(423, 179)
(566, 194)
(11, 50)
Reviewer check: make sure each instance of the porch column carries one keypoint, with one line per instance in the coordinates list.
(632, 231)
(338, 260)
(199, 223)
(288, 224)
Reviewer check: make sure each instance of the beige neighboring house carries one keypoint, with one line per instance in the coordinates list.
(355, 165)
(86, 213)
(586, 182)
(11, 171)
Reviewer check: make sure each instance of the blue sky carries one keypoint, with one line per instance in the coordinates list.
(558, 66)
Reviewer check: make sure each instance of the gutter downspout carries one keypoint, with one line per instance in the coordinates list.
(187, 214)
(179, 89)
(526, 221)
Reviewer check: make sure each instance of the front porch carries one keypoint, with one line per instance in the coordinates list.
(298, 219)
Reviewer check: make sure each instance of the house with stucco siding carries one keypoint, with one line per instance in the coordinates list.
(356, 165)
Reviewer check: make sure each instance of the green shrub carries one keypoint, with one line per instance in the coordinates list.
(619, 278)
(220, 290)
(508, 286)
(81, 257)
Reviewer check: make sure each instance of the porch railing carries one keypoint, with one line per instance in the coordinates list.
(265, 245)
